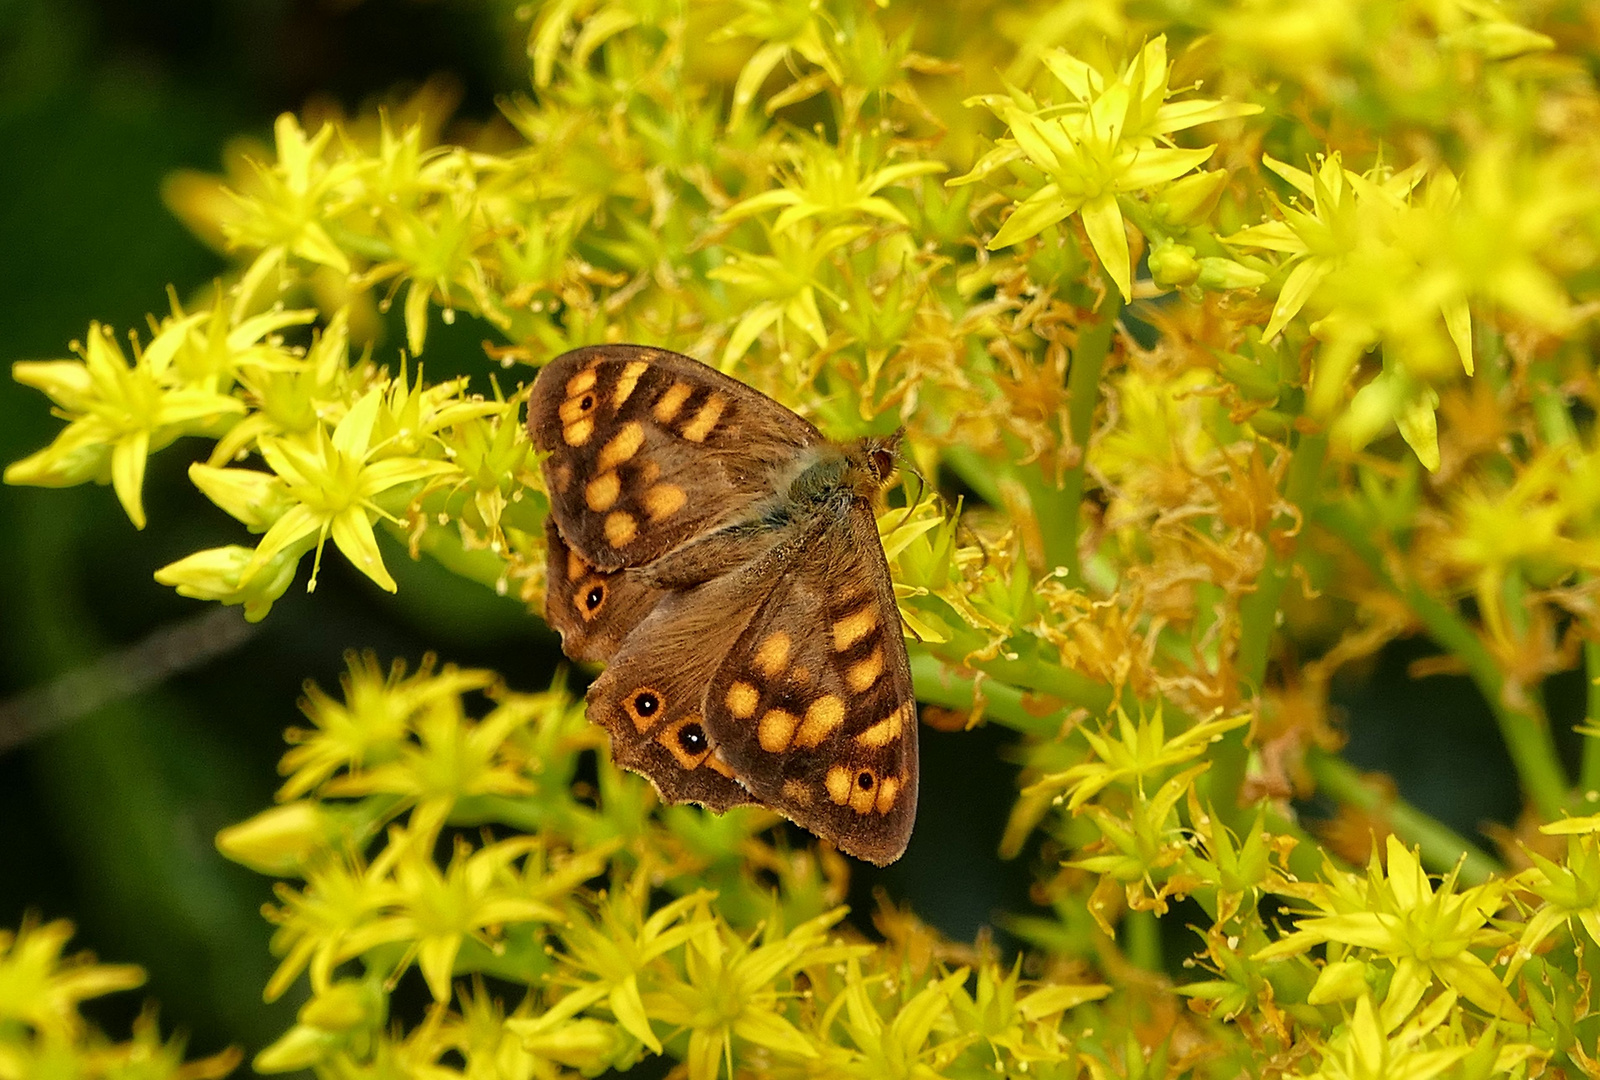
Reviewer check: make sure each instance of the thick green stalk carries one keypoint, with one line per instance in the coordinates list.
(1083, 393)
(1441, 846)
(1522, 724)
(937, 684)
(1258, 614)
(1141, 940)
(1557, 429)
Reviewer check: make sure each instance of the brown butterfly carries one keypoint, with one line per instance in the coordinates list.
(722, 557)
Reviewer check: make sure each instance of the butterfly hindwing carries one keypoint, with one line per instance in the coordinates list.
(593, 610)
(652, 695)
(649, 449)
(813, 704)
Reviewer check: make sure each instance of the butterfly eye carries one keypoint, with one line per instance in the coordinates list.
(646, 703)
(692, 737)
(587, 403)
(596, 596)
(865, 780)
(882, 462)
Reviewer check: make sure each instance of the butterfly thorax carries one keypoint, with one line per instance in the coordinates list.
(829, 477)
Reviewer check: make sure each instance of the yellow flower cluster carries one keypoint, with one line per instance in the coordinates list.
(43, 1033)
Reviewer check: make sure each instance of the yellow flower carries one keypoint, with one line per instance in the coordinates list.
(786, 28)
(230, 576)
(118, 413)
(336, 483)
(373, 722)
(1109, 140)
(40, 989)
(1139, 750)
(454, 758)
(294, 202)
(781, 288)
(479, 893)
(829, 180)
(1398, 916)
(731, 992)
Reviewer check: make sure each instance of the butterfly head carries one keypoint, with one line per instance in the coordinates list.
(876, 458)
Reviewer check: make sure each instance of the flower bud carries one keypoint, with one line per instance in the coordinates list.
(256, 498)
(1173, 265)
(1339, 981)
(276, 841)
(1190, 200)
(583, 1044)
(1220, 274)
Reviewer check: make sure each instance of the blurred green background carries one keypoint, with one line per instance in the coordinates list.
(109, 800)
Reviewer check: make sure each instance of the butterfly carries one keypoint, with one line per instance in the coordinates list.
(722, 558)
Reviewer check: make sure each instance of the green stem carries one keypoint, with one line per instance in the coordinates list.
(1441, 846)
(1141, 940)
(938, 684)
(1083, 394)
(1522, 724)
(976, 471)
(1557, 429)
(1055, 506)
(1258, 613)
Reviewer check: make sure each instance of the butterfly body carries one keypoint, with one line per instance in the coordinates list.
(723, 558)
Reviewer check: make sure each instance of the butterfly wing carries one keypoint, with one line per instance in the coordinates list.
(593, 610)
(813, 704)
(651, 696)
(648, 448)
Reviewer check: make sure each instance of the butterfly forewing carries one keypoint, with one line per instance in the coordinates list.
(649, 449)
(813, 704)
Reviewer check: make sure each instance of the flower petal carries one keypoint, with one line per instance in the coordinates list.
(352, 534)
(127, 473)
(1038, 212)
(1102, 220)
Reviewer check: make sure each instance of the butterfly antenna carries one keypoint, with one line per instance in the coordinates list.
(911, 506)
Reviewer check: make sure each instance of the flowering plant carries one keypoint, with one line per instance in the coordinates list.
(1240, 347)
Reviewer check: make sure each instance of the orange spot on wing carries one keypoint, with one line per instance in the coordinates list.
(822, 719)
(882, 733)
(864, 798)
(853, 627)
(839, 783)
(576, 434)
(670, 403)
(888, 792)
(775, 729)
(627, 382)
(664, 500)
(623, 445)
(602, 491)
(705, 420)
(772, 656)
(621, 528)
(742, 699)
(861, 676)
